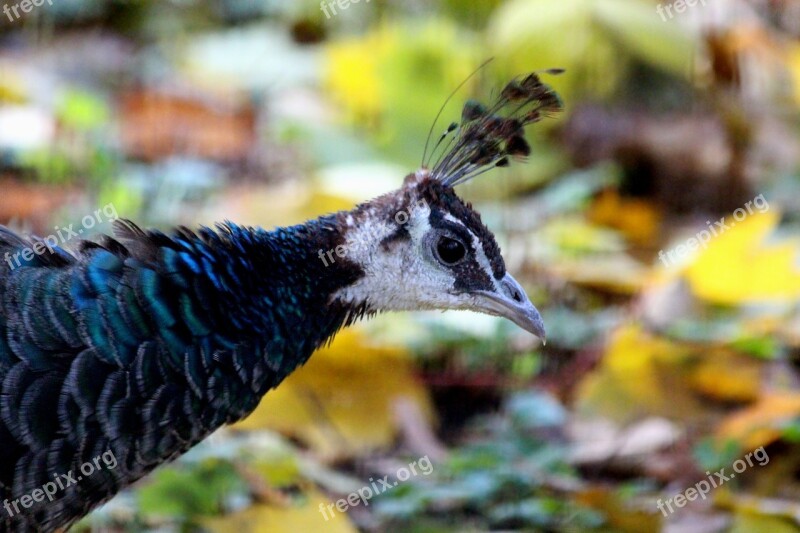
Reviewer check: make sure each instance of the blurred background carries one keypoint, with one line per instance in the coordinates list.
(671, 353)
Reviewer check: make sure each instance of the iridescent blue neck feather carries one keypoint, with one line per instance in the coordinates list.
(142, 345)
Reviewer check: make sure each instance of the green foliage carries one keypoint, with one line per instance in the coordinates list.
(761, 347)
(791, 431)
(60, 166)
(80, 153)
(608, 36)
(48, 166)
(506, 478)
(205, 489)
(711, 455)
(386, 68)
(82, 111)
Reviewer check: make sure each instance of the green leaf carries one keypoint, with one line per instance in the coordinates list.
(201, 490)
(82, 111)
(603, 35)
(638, 27)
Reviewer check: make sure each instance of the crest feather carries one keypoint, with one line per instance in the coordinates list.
(488, 136)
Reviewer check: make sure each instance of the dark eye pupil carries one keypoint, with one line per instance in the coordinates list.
(450, 250)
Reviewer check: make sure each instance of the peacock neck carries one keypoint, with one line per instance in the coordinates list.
(292, 273)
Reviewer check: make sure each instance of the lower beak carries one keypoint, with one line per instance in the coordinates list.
(511, 302)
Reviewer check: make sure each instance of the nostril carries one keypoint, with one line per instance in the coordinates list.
(514, 292)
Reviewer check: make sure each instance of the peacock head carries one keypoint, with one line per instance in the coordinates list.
(421, 246)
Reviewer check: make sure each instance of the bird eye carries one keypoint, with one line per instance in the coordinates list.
(450, 250)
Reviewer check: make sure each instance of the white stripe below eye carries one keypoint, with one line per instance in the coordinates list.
(480, 255)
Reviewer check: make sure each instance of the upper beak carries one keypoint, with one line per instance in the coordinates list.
(512, 303)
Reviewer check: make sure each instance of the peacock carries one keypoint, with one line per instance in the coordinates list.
(136, 347)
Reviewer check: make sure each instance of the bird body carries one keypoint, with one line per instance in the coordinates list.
(135, 347)
(146, 343)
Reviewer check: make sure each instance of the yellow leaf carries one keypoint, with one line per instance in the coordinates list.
(276, 519)
(637, 219)
(727, 376)
(737, 267)
(588, 254)
(640, 375)
(760, 424)
(643, 375)
(352, 75)
(397, 76)
(794, 70)
(621, 514)
(754, 521)
(341, 402)
(12, 87)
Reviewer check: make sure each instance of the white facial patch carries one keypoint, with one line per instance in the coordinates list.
(402, 277)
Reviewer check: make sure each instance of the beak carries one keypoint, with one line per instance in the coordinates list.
(512, 303)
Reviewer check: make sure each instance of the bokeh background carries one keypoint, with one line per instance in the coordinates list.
(269, 112)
